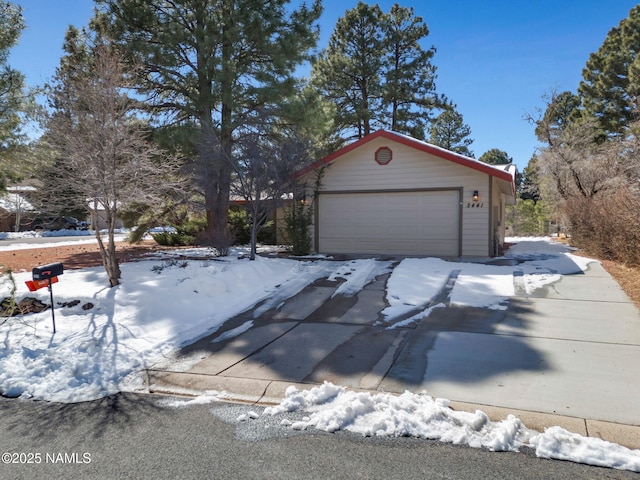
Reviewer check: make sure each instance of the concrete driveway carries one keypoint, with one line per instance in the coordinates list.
(566, 355)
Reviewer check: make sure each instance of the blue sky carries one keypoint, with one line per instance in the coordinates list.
(495, 58)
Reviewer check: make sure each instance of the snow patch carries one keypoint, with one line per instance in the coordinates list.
(357, 274)
(331, 408)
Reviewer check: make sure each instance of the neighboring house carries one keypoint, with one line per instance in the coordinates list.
(14, 207)
(97, 216)
(390, 194)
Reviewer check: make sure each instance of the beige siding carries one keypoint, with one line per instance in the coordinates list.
(498, 221)
(411, 169)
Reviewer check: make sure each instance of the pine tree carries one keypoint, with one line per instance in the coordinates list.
(495, 156)
(349, 72)
(611, 77)
(213, 64)
(449, 131)
(409, 91)
(529, 187)
(562, 110)
(12, 96)
(376, 72)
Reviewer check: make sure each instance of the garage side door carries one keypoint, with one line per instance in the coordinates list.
(404, 223)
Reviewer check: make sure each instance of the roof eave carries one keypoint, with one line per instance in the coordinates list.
(420, 145)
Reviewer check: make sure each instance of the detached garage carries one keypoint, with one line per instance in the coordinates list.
(390, 194)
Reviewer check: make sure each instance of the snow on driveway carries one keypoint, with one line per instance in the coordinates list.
(161, 306)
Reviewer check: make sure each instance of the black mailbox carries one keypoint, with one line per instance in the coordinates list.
(47, 271)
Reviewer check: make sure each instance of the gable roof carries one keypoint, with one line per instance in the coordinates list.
(502, 172)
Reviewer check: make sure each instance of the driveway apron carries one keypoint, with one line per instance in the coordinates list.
(571, 349)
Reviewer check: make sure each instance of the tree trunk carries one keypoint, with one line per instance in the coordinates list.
(17, 222)
(222, 237)
(254, 237)
(224, 168)
(215, 178)
(216, 157)
(108, 252)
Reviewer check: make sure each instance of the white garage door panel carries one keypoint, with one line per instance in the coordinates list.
(409, 223)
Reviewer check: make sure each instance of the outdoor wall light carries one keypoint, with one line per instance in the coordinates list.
(476, 197)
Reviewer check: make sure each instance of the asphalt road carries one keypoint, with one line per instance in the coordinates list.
(132, 436)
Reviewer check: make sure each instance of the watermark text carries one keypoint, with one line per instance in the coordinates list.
(35, 458)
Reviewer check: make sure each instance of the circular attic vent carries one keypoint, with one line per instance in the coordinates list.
(383, 155)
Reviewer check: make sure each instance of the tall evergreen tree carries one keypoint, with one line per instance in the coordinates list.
(611, 78)
(410, 90)
(495, 156)
(562, 110)
(529, 187)
(349, 71)
(213, 63)
(12, 95)
(377, 73)
(449, 131)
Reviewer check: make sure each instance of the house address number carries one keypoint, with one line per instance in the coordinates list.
(475, 205)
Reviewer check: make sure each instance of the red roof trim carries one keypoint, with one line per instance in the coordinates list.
(338, 153)
(417, 144)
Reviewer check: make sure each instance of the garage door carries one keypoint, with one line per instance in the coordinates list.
(405, 223)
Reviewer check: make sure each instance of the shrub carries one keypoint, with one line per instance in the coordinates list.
(192, 231)
(240, 228)
(297, 219)
(184, 235)
(527, 217)
(9, 304)
(173, 239)
(607, 225)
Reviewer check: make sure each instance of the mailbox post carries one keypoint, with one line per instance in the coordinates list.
(48, 274)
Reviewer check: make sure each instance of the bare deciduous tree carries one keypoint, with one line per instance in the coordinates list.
(104, 160)
(264, 175)
(579, 166)
(573, 162)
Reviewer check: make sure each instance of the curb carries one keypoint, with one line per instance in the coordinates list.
(272, 392)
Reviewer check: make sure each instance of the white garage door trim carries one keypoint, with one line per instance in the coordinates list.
(401, 222)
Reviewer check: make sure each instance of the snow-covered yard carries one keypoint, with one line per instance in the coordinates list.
(162, 305)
